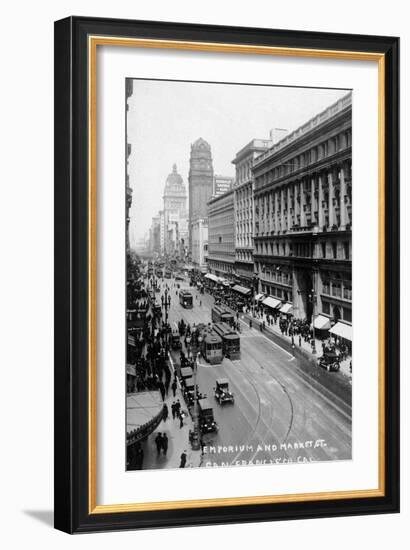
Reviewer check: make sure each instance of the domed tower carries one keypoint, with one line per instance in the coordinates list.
(175, 213)
(201, 177)
(175, 193)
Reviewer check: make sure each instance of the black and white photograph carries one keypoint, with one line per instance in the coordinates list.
(239, 274)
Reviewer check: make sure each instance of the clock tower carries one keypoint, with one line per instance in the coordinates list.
(201, 177)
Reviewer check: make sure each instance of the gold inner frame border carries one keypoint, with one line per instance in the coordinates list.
(95, 41)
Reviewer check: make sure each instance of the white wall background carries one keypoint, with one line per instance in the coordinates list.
(26, 291)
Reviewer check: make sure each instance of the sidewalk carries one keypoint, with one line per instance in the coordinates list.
(178, 439)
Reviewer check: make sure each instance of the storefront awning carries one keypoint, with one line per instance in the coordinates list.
(131, 370)
(286, 308)
(242, 290)
(259, 297)
(271, 302)
(342, 330)
(212, 277)
(321, 322)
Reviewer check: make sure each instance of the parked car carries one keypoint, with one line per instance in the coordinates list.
(206, 417)
(329, 361)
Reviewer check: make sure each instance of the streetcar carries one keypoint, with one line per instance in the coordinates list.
(221, 315)
(211, 348)
(231, 343)
(185, 299)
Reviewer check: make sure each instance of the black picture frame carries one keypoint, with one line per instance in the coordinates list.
(71, 492)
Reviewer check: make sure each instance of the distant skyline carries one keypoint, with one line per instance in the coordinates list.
(165, 118)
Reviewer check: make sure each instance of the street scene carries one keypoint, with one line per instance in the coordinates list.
(239, 294)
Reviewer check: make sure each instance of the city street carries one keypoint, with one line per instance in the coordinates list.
(283, 411)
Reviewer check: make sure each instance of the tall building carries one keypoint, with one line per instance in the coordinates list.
(200, 244)
(155, 235)
(303, 216)
(221, 234)
(175, 213)
(244, 210)
(222, 184)
(201, 182)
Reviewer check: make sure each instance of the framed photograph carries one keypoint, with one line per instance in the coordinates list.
(226, 274)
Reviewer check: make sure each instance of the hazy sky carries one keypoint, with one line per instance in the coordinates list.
(165, 118)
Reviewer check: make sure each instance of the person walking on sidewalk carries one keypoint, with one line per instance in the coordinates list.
(174, 387)
(183, 460)
(173, 410)
(165, 444)
(181, 419)
(158, 442)
(165, 413)
(161, 388)
(177, 408)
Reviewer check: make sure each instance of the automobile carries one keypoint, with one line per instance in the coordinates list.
(176, 341)
(222, 393)
(329, 361)
(206, 416)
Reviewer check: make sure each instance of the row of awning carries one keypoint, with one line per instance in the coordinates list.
(340, 329)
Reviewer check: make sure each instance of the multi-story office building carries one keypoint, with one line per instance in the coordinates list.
(303, 216)
(155, 235)
(244, 210)
(201, 182)
(200, 244)
(221, 234)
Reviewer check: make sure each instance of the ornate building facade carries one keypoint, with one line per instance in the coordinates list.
(221, 234)
(303, 216)
(244, 210)
(175, 213)
(201, 182)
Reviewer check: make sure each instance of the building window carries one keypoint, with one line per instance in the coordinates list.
(334, 248)
(323, 250)
(347, 314)
(326, 307)
(347, 292)
(346, 249)
(326, 287)
(336, 290)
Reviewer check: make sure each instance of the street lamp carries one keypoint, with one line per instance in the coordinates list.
(196, 443)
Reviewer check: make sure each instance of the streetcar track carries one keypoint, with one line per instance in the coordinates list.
(320, 389)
